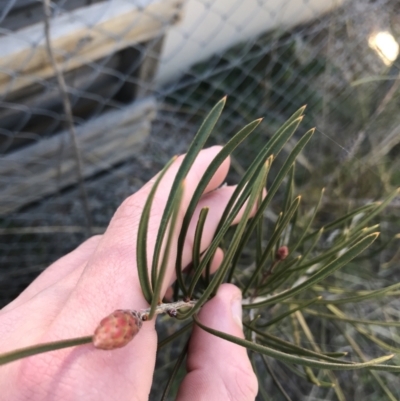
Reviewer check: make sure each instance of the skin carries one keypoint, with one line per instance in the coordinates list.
(72, 295)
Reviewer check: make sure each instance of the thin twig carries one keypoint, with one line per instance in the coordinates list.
(169, 308)
(172, 308)
(68, 114)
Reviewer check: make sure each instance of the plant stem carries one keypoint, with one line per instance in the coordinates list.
(169, 308)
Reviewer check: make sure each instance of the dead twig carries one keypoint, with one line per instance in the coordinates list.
(68, 114)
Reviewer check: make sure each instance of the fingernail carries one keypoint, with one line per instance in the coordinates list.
(236, 306)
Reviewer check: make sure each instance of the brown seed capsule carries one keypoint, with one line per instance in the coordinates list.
(282, 253)
(117, 330)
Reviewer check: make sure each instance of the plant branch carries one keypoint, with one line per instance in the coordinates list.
(169, 308)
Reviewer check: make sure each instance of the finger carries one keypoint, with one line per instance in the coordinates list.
(219, 369)
(58, 271)
(110, 282)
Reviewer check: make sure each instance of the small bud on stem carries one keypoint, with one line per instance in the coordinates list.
(282, 253)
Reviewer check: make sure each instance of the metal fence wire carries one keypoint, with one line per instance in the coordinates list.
(95, 96)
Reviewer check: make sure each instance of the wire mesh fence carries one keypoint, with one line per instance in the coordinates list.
(140, 75)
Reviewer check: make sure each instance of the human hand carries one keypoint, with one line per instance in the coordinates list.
(70, 298)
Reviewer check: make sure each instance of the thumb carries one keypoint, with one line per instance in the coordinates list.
(219, 369)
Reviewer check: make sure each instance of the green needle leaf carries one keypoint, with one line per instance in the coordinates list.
(300, 240)
(41, 348)
(321, 274)
(352, 320)
(274, 378)
(173, 336)
(211, 170)
(220, 274)
(272, 148)
(272, 190)
(363, 296)
(289, 312)
(141, 244)
(344, 219)
(197, 237)
(164, 264)
(196, 249)
(175, 370)
(377, 210)
(274, 239)
(289, 347)
(194, 149)
(282, 356)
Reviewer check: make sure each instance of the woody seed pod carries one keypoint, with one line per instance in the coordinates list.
(117, 330)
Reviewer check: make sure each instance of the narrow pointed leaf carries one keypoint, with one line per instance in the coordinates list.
(347, 218)
(174, 335)
(41, 348)
(274, 378)
(352, 320)
(141, 244)
(238, 205)
(164, 264)
(196, 249)
(307, 227)
(292, 348)
(229, 253)
(335, 250)
(283, 172)
(194, 149)
(288, 313)
(263, 394)
(259, 232)
(209, 173)
(175, 370)
(321, 274)
(288, 197)
(363, 296)
(291, 358)
(274, 239)
(314, 380)
(279, 277)
(377, 210)
(272, 148)
(273, 189)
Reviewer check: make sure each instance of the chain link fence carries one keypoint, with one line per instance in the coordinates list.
(138, 77)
